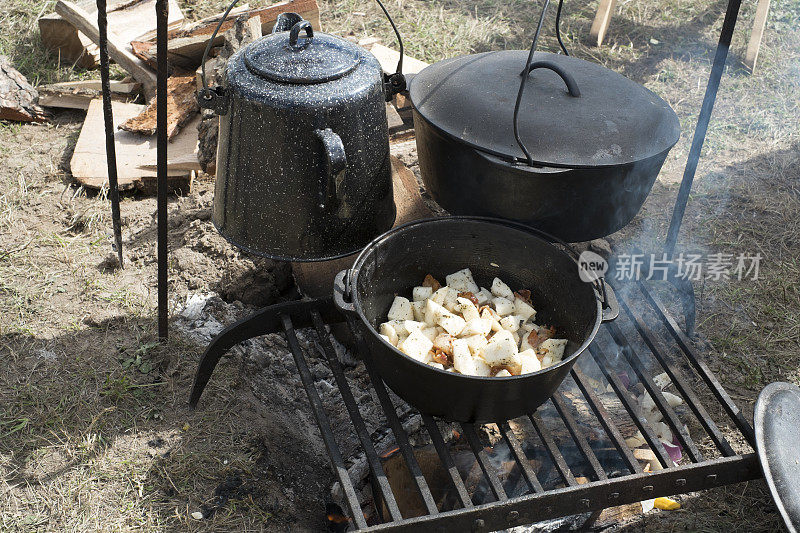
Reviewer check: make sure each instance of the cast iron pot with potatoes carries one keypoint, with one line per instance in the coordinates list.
(523, 257)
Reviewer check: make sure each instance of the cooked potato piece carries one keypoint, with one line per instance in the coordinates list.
(467, 309)
(452, 324)
(444, 342)
(434, 311)
(462, 281)
(484, 296)
(388, 331)
(417, 345)
(418, 309)
(476, 343)
(430, 332)
(530, 362)
(481, 368)
(462, 358)
(553, 348)
(450, 299)
(439, 296)
(491, 315)
(524, 309)
(413, 325)
(478, 326)
(516, 337)
(434, 364)
(503, 374)
(384, 337)
(420, 294)
(401, 309)
(503, 306)
(501, 350)
(511, 322)
(501, 290)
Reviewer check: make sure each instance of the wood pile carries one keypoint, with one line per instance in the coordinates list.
(72, 34)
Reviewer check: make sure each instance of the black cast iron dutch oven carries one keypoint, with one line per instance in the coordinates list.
(521, 256)
(575, 158)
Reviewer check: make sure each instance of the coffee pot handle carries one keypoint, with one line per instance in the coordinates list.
(335, 165)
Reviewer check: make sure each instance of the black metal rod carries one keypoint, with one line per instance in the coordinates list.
(717, 68)
(578, 437)
(706, 374)
(162, 15)
(352, 408)
(519, 456)
(484, 462)
(323, 423)
(558, 27)
(400, 435)
(631, 406)
(108, 122)
(447, 460)
(677, 379)
(605, 420)
(670, 417)
(552, 449)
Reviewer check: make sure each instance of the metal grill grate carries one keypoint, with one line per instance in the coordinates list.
(604, 488)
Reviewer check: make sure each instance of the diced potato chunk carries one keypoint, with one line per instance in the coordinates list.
(439, 295)
(481, 368)
(401, 309)
(450, 299)
(511, 322)
(479, 326)
(384, 337)
(388, 331)
(434, 364)
(503, 306)
(484, 296)
(444, 342)
(501, 350)
(523, 309)
(553, 348)
(476, 343)
(530, 362)
(503, 374)
(501, 290)
(417, 346)
(433, 312)
(430, 332)
(420, 294)
(419, 310)
(452, 324)
(491, 315)
(462, 358)
(467, 309)
(462, 281)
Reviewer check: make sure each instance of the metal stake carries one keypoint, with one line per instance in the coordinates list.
(162, 13)
(703, 119)
(108, 119)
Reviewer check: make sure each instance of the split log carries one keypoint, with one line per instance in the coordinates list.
(129, 19)
(17, 96)
(116, 49)
(186, 46)
(78, 94)
(181, 107)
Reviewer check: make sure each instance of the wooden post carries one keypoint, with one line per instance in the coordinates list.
(601, 21)
(754, 45)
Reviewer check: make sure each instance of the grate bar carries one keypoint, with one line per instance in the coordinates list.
(484, 462)
(685, 344)
(400, 434)
(577, 436)
(678, 380)
(352, 409)
(629, 402)
(522, 459)
(671, 418)
(552, 449)
(605, 420)
(447, 460)
(324, 425)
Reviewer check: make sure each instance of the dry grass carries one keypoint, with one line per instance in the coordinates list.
(94, 432)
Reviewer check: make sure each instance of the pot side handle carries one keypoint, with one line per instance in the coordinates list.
(340, 293)
(610, 304)
(335, 165)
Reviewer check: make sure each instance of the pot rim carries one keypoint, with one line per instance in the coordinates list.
(351, 279)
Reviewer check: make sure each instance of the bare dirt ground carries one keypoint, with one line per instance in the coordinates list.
(95, 433)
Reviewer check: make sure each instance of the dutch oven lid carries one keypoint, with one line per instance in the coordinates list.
(613, 121)
(313, 58)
